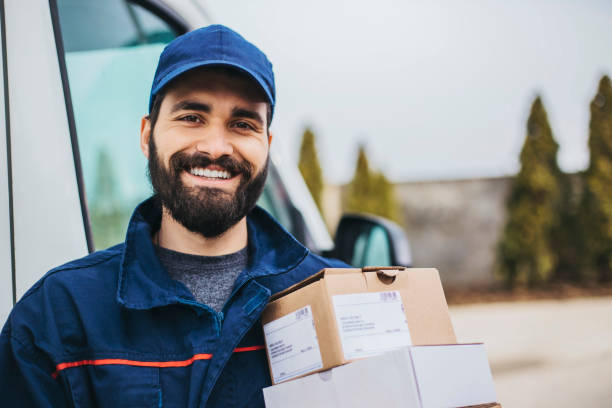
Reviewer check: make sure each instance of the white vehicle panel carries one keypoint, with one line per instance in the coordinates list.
(300, 196)
(6, 274)
(191, 11)
(48, 222)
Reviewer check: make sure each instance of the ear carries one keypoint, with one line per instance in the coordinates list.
(270, 135)
(145, 135)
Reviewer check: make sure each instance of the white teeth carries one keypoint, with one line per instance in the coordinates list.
(197, 171)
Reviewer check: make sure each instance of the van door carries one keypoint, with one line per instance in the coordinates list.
(6, 271)
(40, 164)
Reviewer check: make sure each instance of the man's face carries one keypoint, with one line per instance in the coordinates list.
(208, 151)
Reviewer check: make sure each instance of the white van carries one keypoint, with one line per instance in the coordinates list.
(76, 76)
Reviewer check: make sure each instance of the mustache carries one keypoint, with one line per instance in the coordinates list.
(183, 161)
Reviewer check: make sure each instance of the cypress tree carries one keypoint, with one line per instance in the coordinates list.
(360, 188)
(371, 192)
(596, 208)
(310, 168)
(525, 252)
(386, 203)
(569, 247)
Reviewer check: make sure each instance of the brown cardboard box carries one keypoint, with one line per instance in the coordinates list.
(339, 315)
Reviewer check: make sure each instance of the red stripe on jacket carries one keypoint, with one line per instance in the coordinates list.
(161, 364)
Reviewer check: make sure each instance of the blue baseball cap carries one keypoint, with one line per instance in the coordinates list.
(213, 45)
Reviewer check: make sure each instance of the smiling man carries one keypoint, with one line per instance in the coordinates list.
(170, 317)
(207, 142)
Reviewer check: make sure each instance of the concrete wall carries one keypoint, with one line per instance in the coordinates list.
(452, 225)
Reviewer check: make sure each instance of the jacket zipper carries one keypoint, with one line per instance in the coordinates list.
(249, 327)
(217, 316)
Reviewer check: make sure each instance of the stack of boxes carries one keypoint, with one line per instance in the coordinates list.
(391, 324)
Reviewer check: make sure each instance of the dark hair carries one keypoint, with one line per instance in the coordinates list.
(159, 97)
(154, 114)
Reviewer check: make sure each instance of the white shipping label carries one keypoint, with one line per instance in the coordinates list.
(293, 347)
(371, 323)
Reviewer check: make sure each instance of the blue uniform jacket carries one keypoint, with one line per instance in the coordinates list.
(114, 330)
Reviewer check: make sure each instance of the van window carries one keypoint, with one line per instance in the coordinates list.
(111, 49)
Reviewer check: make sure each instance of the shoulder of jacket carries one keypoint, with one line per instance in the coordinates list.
(323, 262)
(87, 262)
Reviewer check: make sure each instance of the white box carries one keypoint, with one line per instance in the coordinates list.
(456, 375)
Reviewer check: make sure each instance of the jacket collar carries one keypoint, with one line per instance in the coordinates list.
(144, 284)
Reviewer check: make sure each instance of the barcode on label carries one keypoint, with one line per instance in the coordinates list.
(302, 313)
(388, 296)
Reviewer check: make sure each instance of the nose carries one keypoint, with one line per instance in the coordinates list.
(215, 143)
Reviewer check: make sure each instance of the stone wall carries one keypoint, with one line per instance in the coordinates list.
(452, 225)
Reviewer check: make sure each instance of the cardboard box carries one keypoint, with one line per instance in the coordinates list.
(339, 315)
(416, 376)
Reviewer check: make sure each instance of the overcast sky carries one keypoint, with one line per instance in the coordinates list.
(437, 89)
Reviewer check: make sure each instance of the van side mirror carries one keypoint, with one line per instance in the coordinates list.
(365, 239)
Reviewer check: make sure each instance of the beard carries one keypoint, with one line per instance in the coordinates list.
(204, 210)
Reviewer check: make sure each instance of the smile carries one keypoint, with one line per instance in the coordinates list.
(211, 174)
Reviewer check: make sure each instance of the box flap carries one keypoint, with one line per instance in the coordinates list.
(339, 283)
(334, 271)
(313, 278)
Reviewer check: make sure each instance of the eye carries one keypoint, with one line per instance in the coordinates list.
(190, 118)
(244, 125)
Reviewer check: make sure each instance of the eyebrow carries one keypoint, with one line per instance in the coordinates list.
(246, 113)
(191, 105)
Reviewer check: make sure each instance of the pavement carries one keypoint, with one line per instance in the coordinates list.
(544, 353)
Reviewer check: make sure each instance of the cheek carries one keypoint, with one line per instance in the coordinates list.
(168, 145)
(254, 152)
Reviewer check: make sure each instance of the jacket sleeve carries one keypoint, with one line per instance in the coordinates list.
(26, 375)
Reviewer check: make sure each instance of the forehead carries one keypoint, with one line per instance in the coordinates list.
(219, 80)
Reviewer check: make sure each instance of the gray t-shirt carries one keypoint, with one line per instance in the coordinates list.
(209, 278)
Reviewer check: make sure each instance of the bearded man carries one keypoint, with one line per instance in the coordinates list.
(170, 317)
